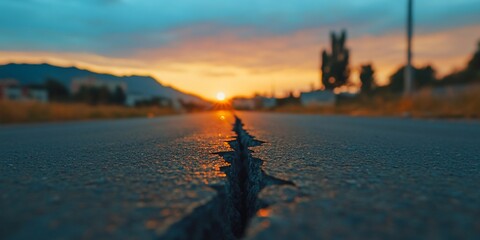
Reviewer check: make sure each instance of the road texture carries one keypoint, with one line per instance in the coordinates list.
(275, 176)
(368, 178)
(107, 179)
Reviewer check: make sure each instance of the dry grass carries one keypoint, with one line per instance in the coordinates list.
(424, 104)
(21, 112)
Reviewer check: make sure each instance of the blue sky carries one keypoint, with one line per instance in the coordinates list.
(128, 29)
(115, 26)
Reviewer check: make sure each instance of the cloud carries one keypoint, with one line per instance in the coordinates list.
(238, 48)
(119, 27)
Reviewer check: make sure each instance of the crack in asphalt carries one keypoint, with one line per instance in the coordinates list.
(227, 215)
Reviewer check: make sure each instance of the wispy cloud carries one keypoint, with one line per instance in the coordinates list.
(115, 27)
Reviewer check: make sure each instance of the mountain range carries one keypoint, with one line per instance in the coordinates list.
(28, 74)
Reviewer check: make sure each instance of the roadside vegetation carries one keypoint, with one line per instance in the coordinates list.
(456, 95)
(423, 105)
(23, 112)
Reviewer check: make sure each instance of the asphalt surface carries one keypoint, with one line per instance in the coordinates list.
(119, 179)
(354, 178)
(368, 178)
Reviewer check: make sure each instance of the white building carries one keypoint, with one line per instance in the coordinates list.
(11, 90)
(39, 95)
(243, 103)
(132, 99)
(14, 93)
(265, 102)
(317, 98)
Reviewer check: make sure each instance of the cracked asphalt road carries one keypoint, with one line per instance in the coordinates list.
(356, 178)
(368, 178)
(119, 179)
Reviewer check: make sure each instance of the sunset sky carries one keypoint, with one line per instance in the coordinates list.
(237, 47)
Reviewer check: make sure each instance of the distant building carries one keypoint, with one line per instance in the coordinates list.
(265, 102)
(40, 95)
(290, 100)
(12, 93)
(317, 98)
(78, 83)
(258, 102)
(133, 99)
(176, 105)
(15, 93)
(243, 103)
(11, 90)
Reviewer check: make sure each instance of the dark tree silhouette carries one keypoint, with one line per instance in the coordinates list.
(423, 76)
(334, 67)
(155, 101)
(93, 95)
(119, 96)
(84, 94)
(103, 95)
(470, 73)
(366, 77)
(474, 63)
(100, 95)
(56, 90)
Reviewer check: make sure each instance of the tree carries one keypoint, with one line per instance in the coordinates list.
(474, 63)
(100, 95)
(103, 95)
(423, 76)
(87, 94)
(119, 96)
(56, 90)
(334, 67)
(470, 73)
(366, 77)
(93, 95)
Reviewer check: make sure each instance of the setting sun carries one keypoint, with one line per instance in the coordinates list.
(220, 96)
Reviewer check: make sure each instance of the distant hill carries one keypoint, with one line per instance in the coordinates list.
(139, 85)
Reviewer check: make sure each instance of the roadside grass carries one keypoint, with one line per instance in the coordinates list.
(23, 112)
(424, 104)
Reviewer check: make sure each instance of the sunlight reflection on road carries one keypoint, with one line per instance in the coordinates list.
(215, 129)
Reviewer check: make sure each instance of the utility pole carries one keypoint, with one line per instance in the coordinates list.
(408, 87)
